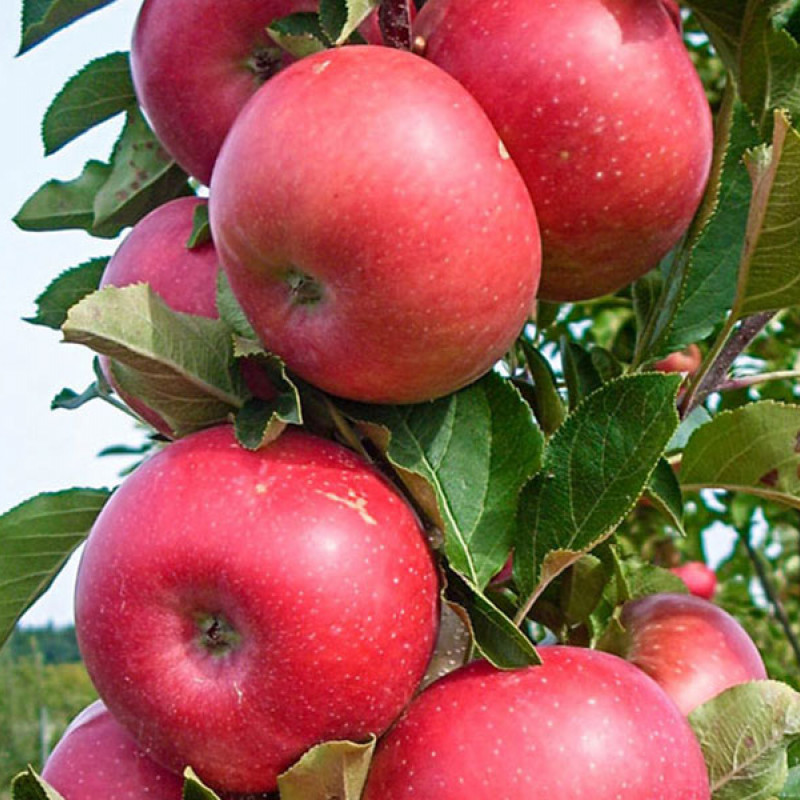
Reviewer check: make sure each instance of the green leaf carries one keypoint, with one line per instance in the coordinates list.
(770, 274)
(340, 18)
(69, 400)
(582, 589)
(143, 176)
(754, 449)
(178, 364)
(496, 636)
(230, 312)
(696, 419)
(329, 770)
(700, 287)
(195, 789)
(299, 34)
(43, 18)
(260, 421)
(664, 491)
(595, 467)
(66, 290)
(102, 89)
(36, 539)
(201, 227)
(580, 373)
(744, 733)
(722, 20)
(453, 643)
(474, 449)
(548, 405)
(65, 205)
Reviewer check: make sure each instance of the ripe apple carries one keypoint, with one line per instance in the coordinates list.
(689, 646)
(373, 228)
(699, 578)
(686, 360)
(236, 607)
(585, 724)
(195, 63)
(601, 109)
(97, 759)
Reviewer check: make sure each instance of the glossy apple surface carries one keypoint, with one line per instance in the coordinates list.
(686, 360)
(584, 725)
(692, 648)
(699, 578)
(195, 63)
(97, 759)
(379, 239)
(601, 109)
(236, 607)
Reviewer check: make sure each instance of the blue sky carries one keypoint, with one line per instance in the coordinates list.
(45, 450)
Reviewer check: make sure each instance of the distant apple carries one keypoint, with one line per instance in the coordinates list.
(584, 725)
(601, 109)
(156, 252)
(373, 228)
(689, 646)
(236, 607)
(687, 360)
(97, 759)
(699, 578)
(195, 63)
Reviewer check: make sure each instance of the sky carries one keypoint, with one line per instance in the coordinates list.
(44, 450)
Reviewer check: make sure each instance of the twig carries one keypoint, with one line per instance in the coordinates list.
(743, 381)
(769, 590)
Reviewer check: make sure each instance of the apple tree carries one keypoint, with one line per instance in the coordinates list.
(528, 270)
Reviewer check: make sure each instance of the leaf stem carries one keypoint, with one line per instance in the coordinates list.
(743, 381)
(769, 590)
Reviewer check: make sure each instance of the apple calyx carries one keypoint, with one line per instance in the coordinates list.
(265, 62)
(216, 635)
(305, 289)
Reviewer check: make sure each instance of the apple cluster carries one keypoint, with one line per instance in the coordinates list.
(385, 219)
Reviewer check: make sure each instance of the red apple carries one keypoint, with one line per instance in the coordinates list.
(373, 228)
(692, 648)
(156, 252)
(236, 607)
(601, 109)
(195, 63)
(97, 759)
(699, 578)
(584, 725)
(686, 360)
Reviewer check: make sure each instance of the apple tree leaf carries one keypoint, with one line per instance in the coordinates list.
(595, 467)
(64, 205)
(331, 769)
(548, 405)
(36, 539)
(29, 785)
(299, 34)
(43, 18)
(791, 789)
(143, 175)
(473, 450)
(67, 289)
(230, 311)
(340, 18)
(753, 449)
(664, 491)
(195, 789)
(744, 733)
(580, 373)
(261, 421)
(102, 89)
(722, 20)
(180, 365)
(201, 227)
(453, 643)
(770, 273)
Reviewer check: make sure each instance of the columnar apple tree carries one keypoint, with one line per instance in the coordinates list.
(456, 330)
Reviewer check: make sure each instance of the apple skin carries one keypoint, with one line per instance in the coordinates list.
(700, 579)
(601, 109)
(236, 607)
(687, 361)
(585, 724)
(692, 648)
(97, 759)
(380, 240)
(195, 63)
